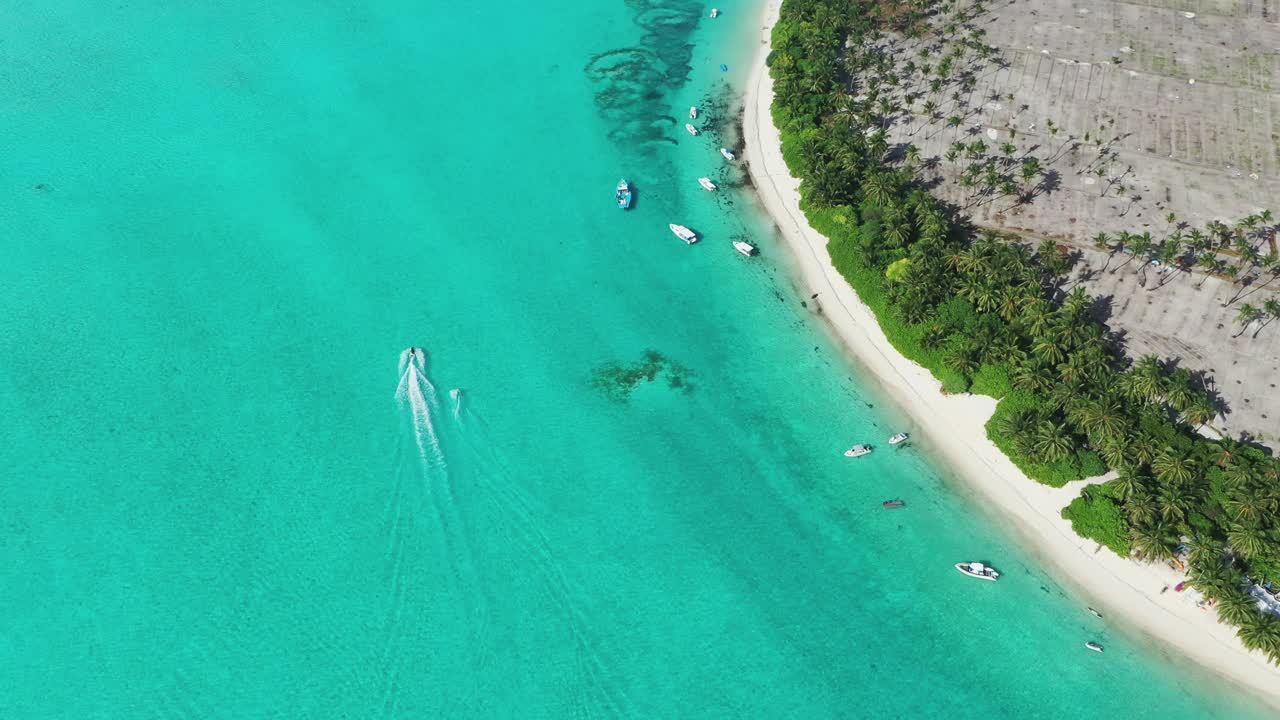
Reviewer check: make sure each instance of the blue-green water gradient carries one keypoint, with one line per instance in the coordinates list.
(228, 495)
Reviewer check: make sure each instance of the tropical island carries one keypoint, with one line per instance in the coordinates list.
(932, 294)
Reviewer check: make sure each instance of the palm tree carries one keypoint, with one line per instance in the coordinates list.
(1173, 502)
(1052, 443)
(1246, 316)
(1176, 389)
(1204, 553)
(1200, 411)
(1236, 607)
(1140, 508)
(1103, 418)
(1261, 632)
(1173, 468)
(1153, 543)
(1247, 540)
(1128, 484)
(963, 359)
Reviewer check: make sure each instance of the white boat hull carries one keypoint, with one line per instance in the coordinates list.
(988, 574)
(707, 184)
(692, 130)
(684, 233)
(728, 154)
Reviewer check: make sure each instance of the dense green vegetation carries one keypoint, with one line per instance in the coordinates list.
(989, 314)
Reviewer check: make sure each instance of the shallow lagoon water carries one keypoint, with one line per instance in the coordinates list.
(230, 495)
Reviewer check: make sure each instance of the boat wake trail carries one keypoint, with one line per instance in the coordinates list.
(417, 393)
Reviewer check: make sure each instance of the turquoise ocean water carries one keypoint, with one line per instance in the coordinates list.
(228, 494)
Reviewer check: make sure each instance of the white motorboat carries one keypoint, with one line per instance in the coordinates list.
(745, 248)
(978, 570)
(858, 451)
(899, 439)
(692, 130)
(1093, 646)
(707, 184)
(690, 237)
(728, 154)
(715, 13)
(693, 112)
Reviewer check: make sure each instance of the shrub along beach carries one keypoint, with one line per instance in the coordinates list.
(990, 316)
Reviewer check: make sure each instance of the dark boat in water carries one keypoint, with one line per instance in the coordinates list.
(890, 504)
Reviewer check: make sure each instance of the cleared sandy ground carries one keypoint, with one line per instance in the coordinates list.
(1135, 110)
(1187, 318)
(953, 426)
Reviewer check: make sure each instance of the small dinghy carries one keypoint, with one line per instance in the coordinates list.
(978, 570)
(707, 184)
(623, 194)
(690, 237)
(899, 439)
(728, 154)
(1095, 613)
(891, 504)
(692, 130)
(745, 248)
(1093, 646)
(693, 112)
(858, 451)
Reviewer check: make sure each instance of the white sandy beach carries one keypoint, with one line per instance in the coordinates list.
(1128, 592)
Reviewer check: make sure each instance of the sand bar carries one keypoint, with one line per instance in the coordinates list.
(1128, 591)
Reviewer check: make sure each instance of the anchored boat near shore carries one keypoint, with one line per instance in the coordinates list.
(728, 154)
(858, 451)
(978, 570)
(745, 248)
(692, 130)
(707, 184)
(690, 237)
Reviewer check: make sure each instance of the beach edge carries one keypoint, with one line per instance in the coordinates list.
(955, 428)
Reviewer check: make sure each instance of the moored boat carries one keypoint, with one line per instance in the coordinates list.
(745, 248)
(707, 184)
(690, 237)
(899, 439)
(1095, 613)
(692, 130)
(728, 154)
(1093, 646)
(978, 570)
(858, 451)
(715, 13)
(890, 504)
(623, 194)
(693, 112)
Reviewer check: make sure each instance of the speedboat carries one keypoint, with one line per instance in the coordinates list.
(978, 570)
(623, 195)
(1093, 646)
(690, 237)
(693, 112)
(745, 248)
(898, 439)
(728, 154)
(858, 451)
(692, 130)
(715, 13)
(891, 504)
(707, 184)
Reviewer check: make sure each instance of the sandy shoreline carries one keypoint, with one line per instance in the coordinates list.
(1129, 592)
